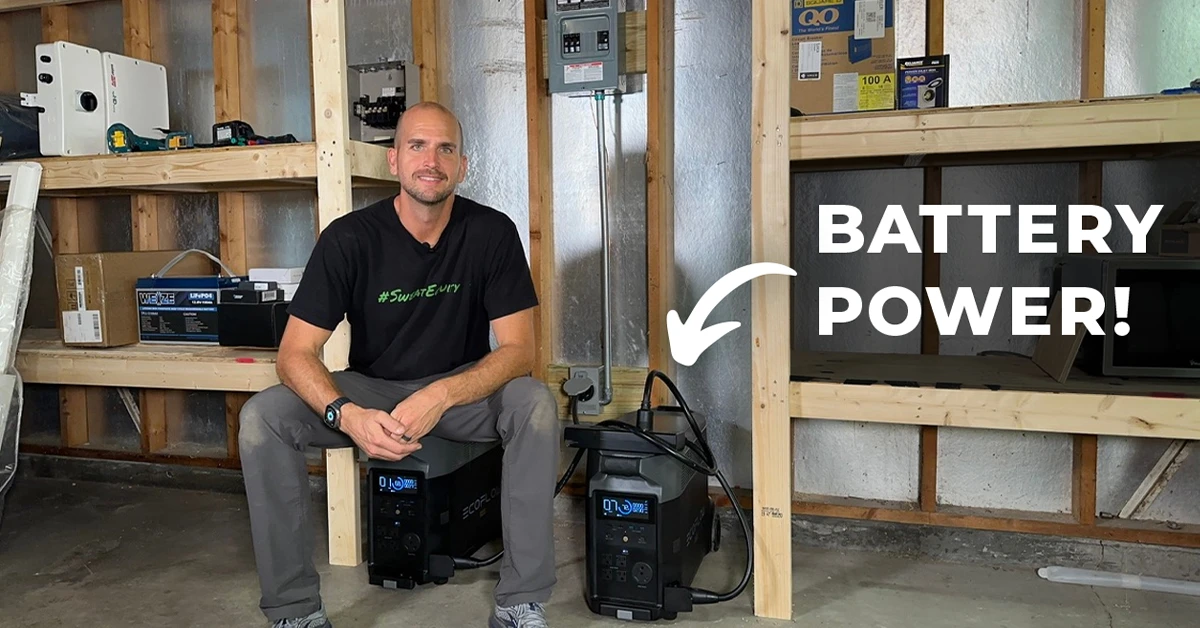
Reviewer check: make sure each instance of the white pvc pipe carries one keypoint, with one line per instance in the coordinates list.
(1087, 577)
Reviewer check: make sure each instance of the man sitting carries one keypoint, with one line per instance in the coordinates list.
(420, 277)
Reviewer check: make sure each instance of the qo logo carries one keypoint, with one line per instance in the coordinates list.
(818, 17)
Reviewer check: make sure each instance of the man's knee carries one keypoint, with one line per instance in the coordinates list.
(261, 420)
(533, 404)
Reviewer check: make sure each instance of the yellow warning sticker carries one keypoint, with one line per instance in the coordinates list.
(876, 91)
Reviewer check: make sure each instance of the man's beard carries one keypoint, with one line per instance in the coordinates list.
(426, 198)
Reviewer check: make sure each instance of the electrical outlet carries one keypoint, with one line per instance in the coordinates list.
(588, 402)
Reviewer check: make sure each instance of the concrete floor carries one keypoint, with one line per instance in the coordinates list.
(109, 555)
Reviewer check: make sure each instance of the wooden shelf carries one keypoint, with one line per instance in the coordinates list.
(1107, 128)
(7, 6)
(992, 392)
(242, 168)
(43, 359)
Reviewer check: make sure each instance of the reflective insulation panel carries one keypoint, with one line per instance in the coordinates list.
(186, 51)
(712, 213)
(1015, 470)
(1013, 51)
(1151, 45)
(487, 85)
(282, 69)
(843, 459)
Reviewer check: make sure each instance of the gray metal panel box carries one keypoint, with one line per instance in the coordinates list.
(585, 44)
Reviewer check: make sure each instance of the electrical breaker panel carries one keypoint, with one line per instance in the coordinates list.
(378, 96)
(135, 94)
(70, 89)
(586, 49)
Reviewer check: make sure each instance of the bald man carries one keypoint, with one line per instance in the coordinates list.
(421, 277)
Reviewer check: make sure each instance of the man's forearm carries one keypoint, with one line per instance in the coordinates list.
(487, 376)
(308, 377)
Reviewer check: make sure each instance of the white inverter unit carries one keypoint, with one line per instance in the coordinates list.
(71, 118)
(135, 94)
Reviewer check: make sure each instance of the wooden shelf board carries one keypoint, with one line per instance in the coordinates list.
(1065, 130)
(242, 168)
(43, 359)
(1041, 523)
(993, 392)
(7, 6)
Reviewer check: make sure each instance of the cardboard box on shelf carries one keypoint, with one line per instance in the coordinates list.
(843, 56)
(96, 296)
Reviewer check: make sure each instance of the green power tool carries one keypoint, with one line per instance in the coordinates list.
(122, 139)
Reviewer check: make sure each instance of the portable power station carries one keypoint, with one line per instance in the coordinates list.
(432, 510)
(650, 521)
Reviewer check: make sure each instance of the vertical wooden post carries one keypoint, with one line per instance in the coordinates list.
(233, 95)
(429, 50)
(1091, 185)
(153, 230)
(931, 274)
(332, 132)
(74, 229)
(771, 309)
(541, 186)
(660, 182)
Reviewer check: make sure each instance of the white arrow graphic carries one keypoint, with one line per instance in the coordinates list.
(688, 340)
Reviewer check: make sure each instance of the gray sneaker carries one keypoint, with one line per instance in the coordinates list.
(315, 620)
(530, 615)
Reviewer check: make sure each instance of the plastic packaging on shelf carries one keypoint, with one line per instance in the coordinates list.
(1087, 577)
(17, 227)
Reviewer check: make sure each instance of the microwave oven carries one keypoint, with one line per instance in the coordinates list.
(1163, 314)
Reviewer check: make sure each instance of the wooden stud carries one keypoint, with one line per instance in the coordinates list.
(541, 189)
(931, 274)
(73, 229)
(429, 50)
(332, 132)
(660, 185)
(1091, 188)
(233, 97)
(771, 307)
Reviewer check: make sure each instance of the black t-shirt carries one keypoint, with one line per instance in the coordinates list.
(413, 310)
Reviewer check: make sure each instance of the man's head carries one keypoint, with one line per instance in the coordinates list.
(427, 154)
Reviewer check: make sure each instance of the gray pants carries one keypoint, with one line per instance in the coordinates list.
(277, 427)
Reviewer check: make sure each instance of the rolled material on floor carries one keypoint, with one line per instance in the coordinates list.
(1088, 577)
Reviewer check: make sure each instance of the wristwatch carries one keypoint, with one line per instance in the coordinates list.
(333, 413)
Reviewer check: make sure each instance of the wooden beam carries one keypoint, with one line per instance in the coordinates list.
(975, 131)
(931, 272)
(541, 188)
(660, 185)
(234, 98)
(771, 309)
(1091, 190)
(8, 6)
(1016, 522)
(334, 169)
(74, 228)
(429, 50)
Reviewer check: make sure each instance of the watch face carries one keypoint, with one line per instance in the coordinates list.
(330, 416)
